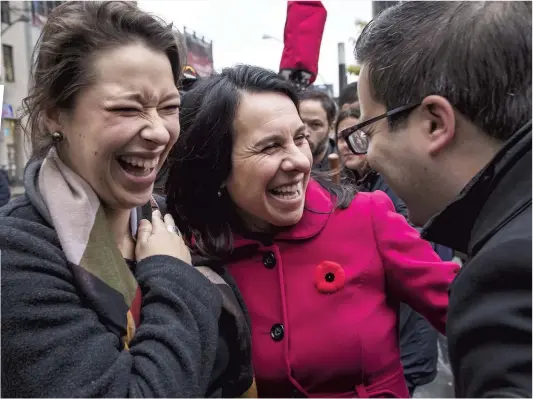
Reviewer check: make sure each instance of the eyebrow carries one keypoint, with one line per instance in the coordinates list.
(273, 136)
(138, 97)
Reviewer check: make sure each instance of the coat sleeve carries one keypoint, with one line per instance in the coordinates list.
(414, 273)
(489, 328)
(55, 346)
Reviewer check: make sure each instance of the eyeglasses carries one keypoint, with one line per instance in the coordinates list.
(357, 139)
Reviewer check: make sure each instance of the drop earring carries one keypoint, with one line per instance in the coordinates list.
(219, 193)
(57, 137)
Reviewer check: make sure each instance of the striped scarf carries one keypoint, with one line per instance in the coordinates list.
(102, 276)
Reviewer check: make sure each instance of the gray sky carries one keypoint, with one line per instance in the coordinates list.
(237, 26)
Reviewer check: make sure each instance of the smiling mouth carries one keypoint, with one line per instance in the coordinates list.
(287, 192)
(138, 166)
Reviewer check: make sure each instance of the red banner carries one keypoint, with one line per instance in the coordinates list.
(199, 54)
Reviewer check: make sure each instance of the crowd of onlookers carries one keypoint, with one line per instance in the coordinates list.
(250, 270)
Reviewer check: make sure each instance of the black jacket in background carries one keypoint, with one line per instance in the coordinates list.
(5, 193)
(323, 166)
(489, 317)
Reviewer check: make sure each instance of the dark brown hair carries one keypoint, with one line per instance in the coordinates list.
(476, 54)
(75, 32)
(328, 104)
(200, 161)
(347, 113)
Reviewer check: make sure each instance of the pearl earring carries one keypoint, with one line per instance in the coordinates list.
(219, 193)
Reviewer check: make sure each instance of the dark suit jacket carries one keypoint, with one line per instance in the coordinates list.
(489, 318)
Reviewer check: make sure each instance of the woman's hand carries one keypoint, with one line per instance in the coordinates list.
(160, 238)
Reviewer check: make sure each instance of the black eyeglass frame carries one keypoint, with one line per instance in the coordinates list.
(359, 126)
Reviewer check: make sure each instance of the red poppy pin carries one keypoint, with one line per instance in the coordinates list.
(329, 277)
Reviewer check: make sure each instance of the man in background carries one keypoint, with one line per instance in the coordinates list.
(318, 112)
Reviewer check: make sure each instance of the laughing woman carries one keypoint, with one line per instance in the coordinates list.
(96, 300)
(322, 271)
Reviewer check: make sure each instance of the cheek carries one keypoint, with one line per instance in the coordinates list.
(305, 148)
(374, 154)
(173, 127)
(249, 180)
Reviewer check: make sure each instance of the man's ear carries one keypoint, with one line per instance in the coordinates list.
(441, 117)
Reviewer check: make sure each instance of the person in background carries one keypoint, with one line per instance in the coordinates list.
(455, 144)
(418, 340)
(318, 111)
(5, 192)
(99, 298)
(348, 97)
(322, 269)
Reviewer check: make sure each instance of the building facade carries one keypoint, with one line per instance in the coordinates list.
(22, 22)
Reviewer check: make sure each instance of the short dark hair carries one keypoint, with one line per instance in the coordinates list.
(348, 95)
(347, 113)
(201, 159)
(73, 34)
(475, 54)
(328, 104)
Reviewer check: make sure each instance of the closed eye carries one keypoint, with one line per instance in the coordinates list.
(270, 147)
(125, 110)
(301, 139)
(171, 108)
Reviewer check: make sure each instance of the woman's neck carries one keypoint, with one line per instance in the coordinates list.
(119, 223)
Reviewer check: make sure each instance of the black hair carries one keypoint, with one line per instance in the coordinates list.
(347, 113)
(201, 160)
(328, 104)
(475, 54)
(348, 94)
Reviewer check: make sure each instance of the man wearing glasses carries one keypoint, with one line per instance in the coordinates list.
(445, 99)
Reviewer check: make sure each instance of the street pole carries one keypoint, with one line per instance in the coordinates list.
(343, 80)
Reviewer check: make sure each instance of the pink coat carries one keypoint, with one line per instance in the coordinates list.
(329, 329)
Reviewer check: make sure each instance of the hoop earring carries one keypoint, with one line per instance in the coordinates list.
(57, 137)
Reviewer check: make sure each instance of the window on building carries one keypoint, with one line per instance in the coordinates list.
(5, 12)
(9, 68)
(41, 10)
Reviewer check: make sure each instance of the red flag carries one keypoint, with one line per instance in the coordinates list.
(302, 38)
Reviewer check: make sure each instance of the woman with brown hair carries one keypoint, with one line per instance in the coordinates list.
(99, 297)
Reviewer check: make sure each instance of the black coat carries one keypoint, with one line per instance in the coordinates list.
(54, 345)
(489, 318)
(5, 193)
(323, 165)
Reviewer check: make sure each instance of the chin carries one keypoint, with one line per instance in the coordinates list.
(288, 219)
(129, 200)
